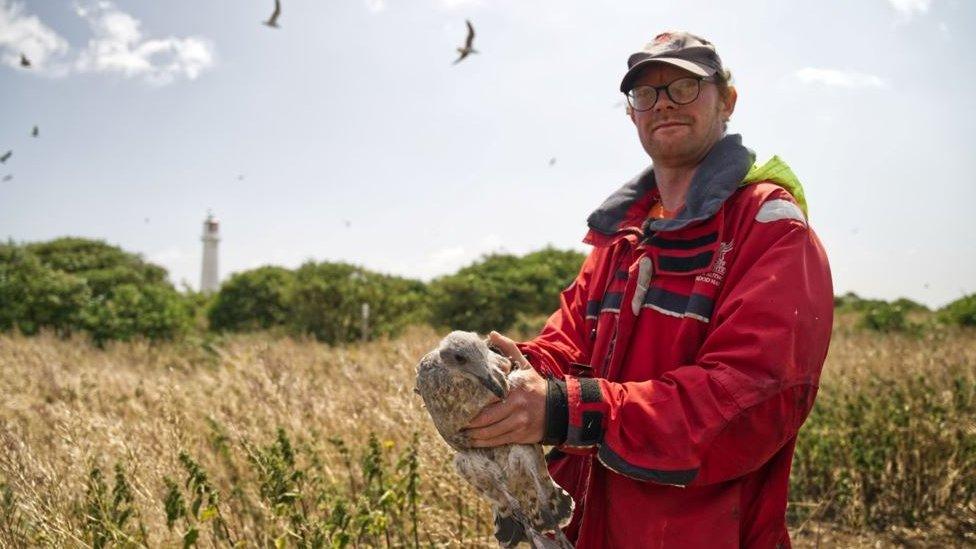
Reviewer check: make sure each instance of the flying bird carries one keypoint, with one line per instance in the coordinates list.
(6, 156)
(347, 223)
(467, 49)
(35, 132)
(240, 177)
(273, 20)
(24, 61)
(456, 380)
(552, 161)
(8, 177)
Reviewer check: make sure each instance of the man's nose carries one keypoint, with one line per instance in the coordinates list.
(664, 102)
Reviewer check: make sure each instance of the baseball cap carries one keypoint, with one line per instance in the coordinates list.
(679, 48)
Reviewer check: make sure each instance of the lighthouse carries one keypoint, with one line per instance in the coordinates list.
(211, 236)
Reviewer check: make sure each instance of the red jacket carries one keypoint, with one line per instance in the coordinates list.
(691, 352)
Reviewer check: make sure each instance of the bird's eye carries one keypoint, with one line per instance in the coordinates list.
(460, 358)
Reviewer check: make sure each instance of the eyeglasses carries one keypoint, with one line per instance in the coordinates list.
(681, 92)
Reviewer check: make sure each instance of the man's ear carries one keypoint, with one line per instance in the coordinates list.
(728, 102)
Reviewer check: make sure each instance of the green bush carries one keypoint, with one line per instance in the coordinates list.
(328, 297)
(74, 283)
(885, 317)
(469, 302)
(853, 302)
(71, 284)
(253, 300)
(961, 312)
(129, 311)
(909, 305)
(491, 293)
(33, 296)
(102, 265)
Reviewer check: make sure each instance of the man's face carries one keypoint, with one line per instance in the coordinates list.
(680, 135)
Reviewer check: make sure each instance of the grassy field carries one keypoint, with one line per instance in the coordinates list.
(255, 441)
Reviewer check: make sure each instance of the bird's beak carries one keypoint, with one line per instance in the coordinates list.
(495, 382)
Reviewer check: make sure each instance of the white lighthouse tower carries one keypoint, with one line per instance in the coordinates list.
(208, 275)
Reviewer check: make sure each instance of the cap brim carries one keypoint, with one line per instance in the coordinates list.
(689, 66)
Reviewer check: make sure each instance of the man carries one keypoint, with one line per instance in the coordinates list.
(687, 353)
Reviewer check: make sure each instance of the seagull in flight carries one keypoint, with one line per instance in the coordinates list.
(8, 177)
(35, 132)
(273, 20)
(467, 49)
(552, 161)
(24, 61)
(6, 156)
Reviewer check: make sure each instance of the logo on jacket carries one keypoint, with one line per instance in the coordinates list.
(720, 267)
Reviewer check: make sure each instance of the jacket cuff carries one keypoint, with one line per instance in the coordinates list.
(557, 412)
(588, 412)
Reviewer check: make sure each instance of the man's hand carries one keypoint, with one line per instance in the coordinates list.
(520, 418)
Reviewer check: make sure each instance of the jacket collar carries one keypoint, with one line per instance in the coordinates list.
(716, 178)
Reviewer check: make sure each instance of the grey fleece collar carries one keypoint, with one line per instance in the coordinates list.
(717, 177)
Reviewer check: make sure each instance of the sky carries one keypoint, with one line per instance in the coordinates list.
(348, 134)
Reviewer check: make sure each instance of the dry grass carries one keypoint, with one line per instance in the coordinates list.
(67, 408)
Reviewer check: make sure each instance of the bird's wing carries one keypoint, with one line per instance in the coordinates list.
(470, 39)
(6, 156)
(273, 20)
(544, 503)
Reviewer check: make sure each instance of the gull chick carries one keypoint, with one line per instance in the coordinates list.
(456, 380)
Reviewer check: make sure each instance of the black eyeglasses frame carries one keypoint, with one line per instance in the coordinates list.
(666, 88)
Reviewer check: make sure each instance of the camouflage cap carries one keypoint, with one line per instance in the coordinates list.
(679, 48)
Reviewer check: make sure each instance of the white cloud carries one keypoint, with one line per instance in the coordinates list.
(910, 8)
(118, 46)
(376, 5)
(839, 78)
(20, 33)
